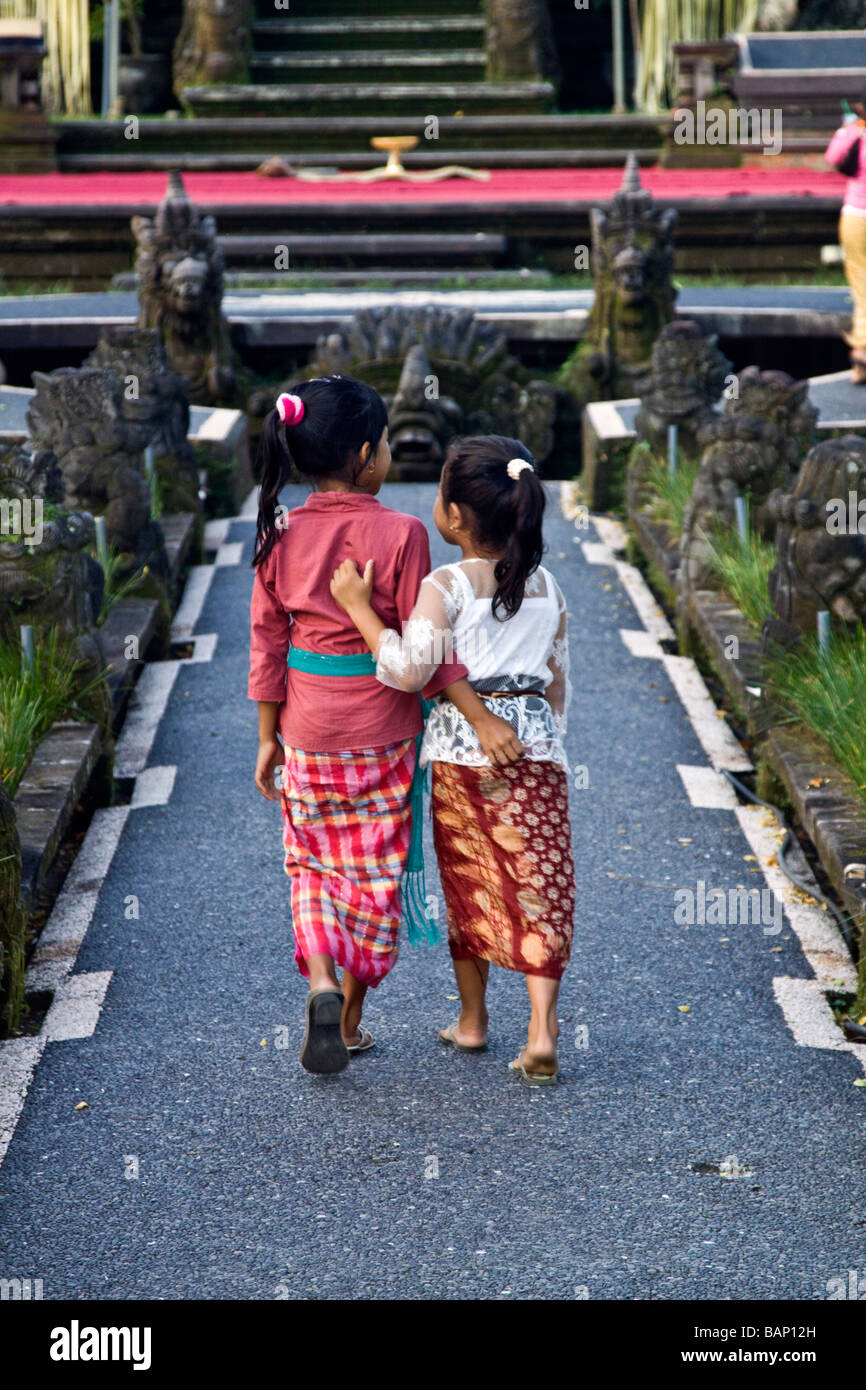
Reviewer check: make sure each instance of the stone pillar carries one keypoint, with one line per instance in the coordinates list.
(520, 46)
(213, 43)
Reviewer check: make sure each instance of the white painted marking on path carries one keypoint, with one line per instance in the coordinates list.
(153, 786)
(712, 729)
(641, 643)
(146, 708)
(93, 859)
(597, 553)
(707, 789)
(229, 553)
(810, 1019)
(205, 646)
(216, 531)
(61, 938)
(18, 1058)
(189, 610)
(821, 941)
(76, 1007)
(611, 531)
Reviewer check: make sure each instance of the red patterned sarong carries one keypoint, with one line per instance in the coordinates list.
(346, 831)
(503, 841)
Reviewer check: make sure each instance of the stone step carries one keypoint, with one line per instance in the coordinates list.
(360, 9)
(367, 278)
(385, 99)
(479, 248)
(446, 65)
(544, 139)
(425, 34)
(345, 161)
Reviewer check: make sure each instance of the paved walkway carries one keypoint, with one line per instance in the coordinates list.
(419, 1173)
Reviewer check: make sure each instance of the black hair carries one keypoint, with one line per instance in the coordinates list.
(506, 512)
(340, 416)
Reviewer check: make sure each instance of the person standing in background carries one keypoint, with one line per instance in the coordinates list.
(846, 154)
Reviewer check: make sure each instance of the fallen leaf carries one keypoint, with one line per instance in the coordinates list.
(752, 857)
(775, 948)
(771, 862)
(861, 1081)
(452, 996)
(817, 781)
(682, 841)
(684, 1008)
(263, 1043)
(82, 1105)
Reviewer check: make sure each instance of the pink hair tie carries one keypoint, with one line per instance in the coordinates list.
(290, 408)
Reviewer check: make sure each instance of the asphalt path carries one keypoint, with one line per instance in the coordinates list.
(419, 1173)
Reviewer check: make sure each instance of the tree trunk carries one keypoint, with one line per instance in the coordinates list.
(213, 43)
(520, 44)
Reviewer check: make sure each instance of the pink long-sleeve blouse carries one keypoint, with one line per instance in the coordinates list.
(855, 188)
(292, 604)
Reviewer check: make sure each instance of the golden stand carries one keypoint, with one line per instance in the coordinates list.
(394, 169)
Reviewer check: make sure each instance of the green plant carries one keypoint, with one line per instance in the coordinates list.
(743, 567)
(663, 22)
(34, 698)
(113, 562)
(826, 693)
(671, 492)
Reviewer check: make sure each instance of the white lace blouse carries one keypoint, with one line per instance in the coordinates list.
(527, 652)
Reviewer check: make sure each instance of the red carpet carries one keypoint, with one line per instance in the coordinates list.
(505, 185)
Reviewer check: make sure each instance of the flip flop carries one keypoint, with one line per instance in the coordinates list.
(533, 1078)
(446, 1036)
(365, 1043)
(323, 1049)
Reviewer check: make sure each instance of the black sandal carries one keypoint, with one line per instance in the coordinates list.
(323, 1049)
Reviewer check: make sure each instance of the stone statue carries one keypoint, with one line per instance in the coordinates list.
(47, 578)
(78, 414)
(687, 376)
(420, 423)
(155, 406)
(519, 41)
(752, 448)
(632, 263)
(180, 277)
(213, 43)
(820, 542)
(11, 920)
(465, 381)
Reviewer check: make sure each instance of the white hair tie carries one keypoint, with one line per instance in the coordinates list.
(516, 467)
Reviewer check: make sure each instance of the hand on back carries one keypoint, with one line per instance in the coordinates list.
(349, 587)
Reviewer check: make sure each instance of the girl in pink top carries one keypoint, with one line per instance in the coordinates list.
(348, 753)
(847, 144)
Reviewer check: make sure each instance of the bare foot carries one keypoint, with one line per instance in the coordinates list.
(461, 1035)
(538, 1063)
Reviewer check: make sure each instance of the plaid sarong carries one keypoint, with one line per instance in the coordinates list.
(346, 832)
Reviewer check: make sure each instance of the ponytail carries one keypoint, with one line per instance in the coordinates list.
(494, 476)
(524, 547)
(319, 430)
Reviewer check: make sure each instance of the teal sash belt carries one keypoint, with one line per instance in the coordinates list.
(414, 887)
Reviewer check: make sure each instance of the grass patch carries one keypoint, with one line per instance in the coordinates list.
(115, 588)
(744, 568)
(671, 492)
(32, 699)
(826, 693)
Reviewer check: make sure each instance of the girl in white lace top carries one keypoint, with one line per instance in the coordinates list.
(500, 785)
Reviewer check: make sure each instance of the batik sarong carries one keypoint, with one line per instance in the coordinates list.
(503, 842)
(346, 833)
